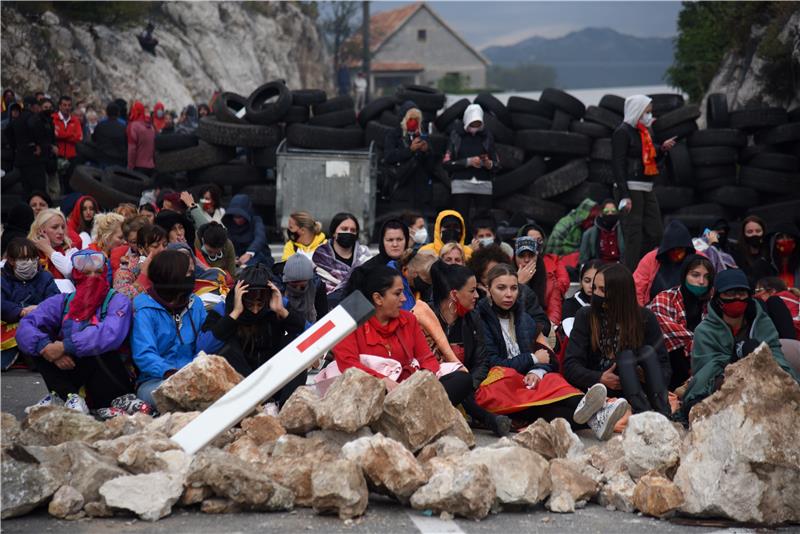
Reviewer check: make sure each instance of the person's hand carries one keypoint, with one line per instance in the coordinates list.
(713, 237)
(525, 274)
(26, 310)
(43, 244)
(416, 144)
(65, 363)
(187, 198)
(669, 143)
(243, 259)
(542, 356)
(239, 291)
(424, 146)
(276, 301)
(487, 162)
(474, 161)
(390, 384)
(626, 205)
(531, 380)
(610, 380)
(53, 351)
(146, 263)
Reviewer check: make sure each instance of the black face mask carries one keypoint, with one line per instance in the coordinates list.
(175, 297)
(451, 235)
(754, 241)
(598, 303)
(421, 285)
(346, 240)
(293, 236)
(608, 221)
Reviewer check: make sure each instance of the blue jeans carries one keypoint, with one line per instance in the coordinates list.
(145, 390)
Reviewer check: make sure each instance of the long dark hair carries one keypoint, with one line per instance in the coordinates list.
(338, 219)
(393, 224)
(370, 280)
(621, 309)
(447, 278)
(743, 248)
(696, 260)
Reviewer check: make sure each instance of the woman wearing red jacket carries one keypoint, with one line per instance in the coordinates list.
(393, 333)
(544, 273)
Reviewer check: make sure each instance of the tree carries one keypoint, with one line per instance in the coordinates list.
(338, 26)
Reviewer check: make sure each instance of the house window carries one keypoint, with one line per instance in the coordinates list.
(422, 35)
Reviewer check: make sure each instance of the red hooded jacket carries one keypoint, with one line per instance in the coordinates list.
(67, 135)
(74, 221)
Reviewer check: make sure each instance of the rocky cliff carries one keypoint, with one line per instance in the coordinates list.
(203, 47)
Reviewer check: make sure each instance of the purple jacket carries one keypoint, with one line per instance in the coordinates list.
(333, 272)
(88, 338)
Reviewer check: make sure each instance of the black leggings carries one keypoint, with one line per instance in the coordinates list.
(458, 386)
(564, 408)
(654, 394)
(681, 368)
(104, 379)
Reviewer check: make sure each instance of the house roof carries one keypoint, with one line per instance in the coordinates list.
(383, 25)
(396, 66)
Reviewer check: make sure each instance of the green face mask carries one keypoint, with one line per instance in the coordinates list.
(697, 291)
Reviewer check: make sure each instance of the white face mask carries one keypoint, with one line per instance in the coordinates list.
(473, 129)
(26, 269)
(647, 119)
(486, 241)
(421, 236)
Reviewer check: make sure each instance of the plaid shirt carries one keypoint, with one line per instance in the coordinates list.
(669, 309)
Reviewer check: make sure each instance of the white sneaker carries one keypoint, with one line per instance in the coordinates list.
(594, 399)
(76, 402)
(602, 423)
(48, 400)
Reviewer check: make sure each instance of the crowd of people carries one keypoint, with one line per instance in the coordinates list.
(107, 302)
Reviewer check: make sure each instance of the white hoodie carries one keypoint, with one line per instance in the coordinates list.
(634, 108)
(473, 113)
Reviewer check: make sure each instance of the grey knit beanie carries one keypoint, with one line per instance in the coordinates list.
(298, 268)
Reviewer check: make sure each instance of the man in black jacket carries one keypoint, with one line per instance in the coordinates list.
(110, 139)
(31, 146)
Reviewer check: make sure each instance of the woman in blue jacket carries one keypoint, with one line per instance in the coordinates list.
(247, 232)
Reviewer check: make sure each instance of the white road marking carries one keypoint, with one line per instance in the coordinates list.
(433, 525)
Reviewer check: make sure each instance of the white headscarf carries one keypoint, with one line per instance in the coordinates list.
(634, 107)
(473, 113)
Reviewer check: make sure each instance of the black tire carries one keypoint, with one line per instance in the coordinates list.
(226, 107)
(785, 133)
(576, 195)
(388, 118)
(425, 98)
(563, 101)
(613, 103)
(87, 180)
(676, 117)
(438, 142)
(714, 183)
(671, 198)
(769, 181)
(695, 222)
(664, 103)
(232, 174)
(717, 111)
(230, 134)
(680, 163)
(335, 119)
(707, 172)
(308, 97)
(601, 172)
(680, 131)
(778, 211)
(599, 115)
(296, 114)
(553, 143)
(542, 211)
(374, 109)
(529, 106)
(560, 180)
(519, 178)
(510, 156)
(175, 141)
(126, 180)
(202, 155)
(264, 158)
(591, 129)
(456, 111)
(261, 194)
(524, 121)
(377, 132)
(321, 137)
(718, 137)
(601, 149)
(707, 209)
(491, 104)
(561, 121)
(501, 132)
(260, 110)
(732, 196)
(713, 155)
(337, 103)
(755, 119)
(775, 161)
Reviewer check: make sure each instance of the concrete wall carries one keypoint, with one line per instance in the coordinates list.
(440, 53)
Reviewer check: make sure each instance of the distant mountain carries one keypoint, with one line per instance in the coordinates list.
(592, 57)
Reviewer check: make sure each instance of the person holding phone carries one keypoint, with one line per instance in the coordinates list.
(472, 161)
(635, 159)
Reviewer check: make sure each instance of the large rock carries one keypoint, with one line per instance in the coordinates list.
(388, 465)
(149, 496)
(170, 424)
(115, 447)
(464, 490)
(608, 457)
(51, 425)
(617, 492)
(197, 385)
(650, 443)
(441, 448)
(295, 446)
(657, 496)
(76, 464)
(338, 486)
(66, 502)
(25, 483)
(263, 428)
(299, 415)
(124, 425)
(336, 439)
(11, 430)
(355, 400)
(295, 474)
(569, 486)
(741, 459)
(248, 450)
(520, 476)
(459, 429)
(551, 440)
(416, 412)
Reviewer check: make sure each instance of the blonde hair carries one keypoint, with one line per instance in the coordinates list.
(306, 220)
(419, 262)
(41, 221)
(127, 210)
(447, 248)
(105, 224)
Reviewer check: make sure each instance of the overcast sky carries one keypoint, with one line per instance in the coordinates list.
(501, 23)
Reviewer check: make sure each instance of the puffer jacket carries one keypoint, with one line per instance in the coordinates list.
(18, 294)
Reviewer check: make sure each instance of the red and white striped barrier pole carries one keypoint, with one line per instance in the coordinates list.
(275, 373)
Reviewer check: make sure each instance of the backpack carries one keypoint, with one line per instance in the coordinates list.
(103, 308)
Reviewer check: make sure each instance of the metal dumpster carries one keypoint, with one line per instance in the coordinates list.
(326, 182)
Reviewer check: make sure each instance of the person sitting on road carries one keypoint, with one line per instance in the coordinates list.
(750, 252)
(452, 254)
(304, 234)
(179, 228)
(544, 273)
(583, 297)
(604, 239)
(213, 248)
(49, 233)
(81, 221)
(449, 227)
(335, 259)
(305, 292)
(773, 291)
(76, 338)
(661, 268)
(130, 278)
(393, 241)
(247, 232)
(416, 228)
(484, 234)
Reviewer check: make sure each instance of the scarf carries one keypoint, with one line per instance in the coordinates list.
(89, 294)
(303, 301)
(648, 151)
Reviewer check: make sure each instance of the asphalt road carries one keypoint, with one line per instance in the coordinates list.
(22, 388)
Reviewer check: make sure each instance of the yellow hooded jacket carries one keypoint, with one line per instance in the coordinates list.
(291, 247)
(437, 244)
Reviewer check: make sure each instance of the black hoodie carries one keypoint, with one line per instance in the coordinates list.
(382, 258)
(676, 235)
